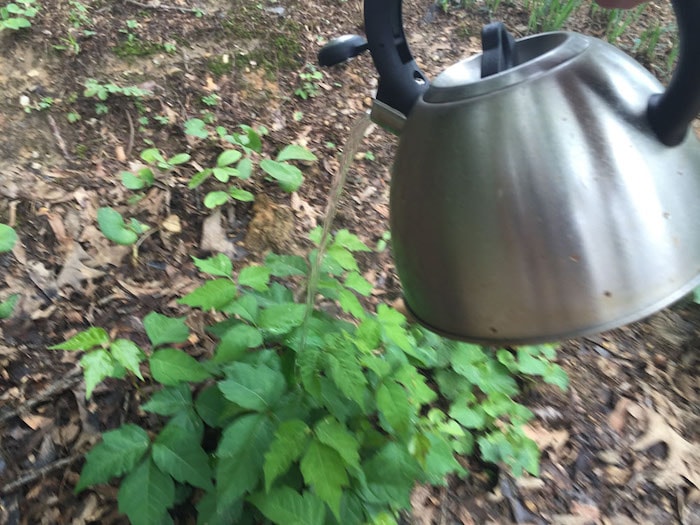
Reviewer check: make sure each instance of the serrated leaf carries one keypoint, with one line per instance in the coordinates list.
(288, 445)
(8, 238)
(246, 307)
(295, 152)
(289, 177)
(215, 294)
(219, 265)
(169, 401)
(440, 460)
(280, 319)
(286, 265)
(215, 198)
(170, 366)
(346, 372)
(97, 365)
(236, 342)
(333, 433)
(343, 257)
(285, 506)
(8, 305)
(310, 361)
(350, 241)
(112, 225)
(468, 417)
(117, 454)
(356, 282)
(146, 494)
(255, 277)
(389, 476)
(394, 408)
(349, 302)
(162, 329)
(85, 340)
(175, 453)
(214, 409)
(241, 454)
(228, 157)
(128, 355)
(252, 387)
(323, 469)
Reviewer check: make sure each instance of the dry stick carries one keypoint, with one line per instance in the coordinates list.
(164, 7)
(65, 383)
(59, 139)
(36, 474)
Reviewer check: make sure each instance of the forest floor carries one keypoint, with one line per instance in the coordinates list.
(621, 446)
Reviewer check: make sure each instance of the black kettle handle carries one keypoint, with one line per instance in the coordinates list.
(401, 82)
(670, 113)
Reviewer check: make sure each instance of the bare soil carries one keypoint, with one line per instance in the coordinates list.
(621, 446)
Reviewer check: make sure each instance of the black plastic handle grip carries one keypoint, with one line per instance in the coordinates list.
(401, 82)
(671, 112)
(341, 49)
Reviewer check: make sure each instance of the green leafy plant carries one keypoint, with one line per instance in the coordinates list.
(116, 229)
(240, 163)
(619, 20)
(310, 78)
(102, 92)
(300, 415)
(17, 15)
(145, 177)
(550, 15)
(8, 239)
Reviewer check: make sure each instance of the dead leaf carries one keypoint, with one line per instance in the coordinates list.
(35, 421)
(423, 511)
(214, 238)
(683, 460)
(546, 438)
(618, 417)
(74, 271)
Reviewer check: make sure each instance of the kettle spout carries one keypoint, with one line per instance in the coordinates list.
(387, 117)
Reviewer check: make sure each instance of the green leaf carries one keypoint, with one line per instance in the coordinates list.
(246, 307)
(310, 361)
(118, 453)
(85, 340)
(196, 128)
(181, 457)
(113, 227)
(285, 506)
(288, 445)
(170, 366)
(219, 265)
(555, 375)
(289, 177)
(468, 417)
(295, 152)
(323, 469)
(255, 277)
(241, 195)
(346, 372)
(286, 265)
(389, 476)
(162, 329)
(151, 156)
(228, 157)
(343, 257)
(178, 159)
(440, 460)
(146, 494)
(349, 302)
(98, 365)
(356, 282)
(8, 238)
(224, 174)
(350, 241)
(252, 387)
(528, 364)
(128, 355)
(8, 305)
(241, 454)
(395, 411)
(199, 177)
(280, 319)
(169, 401)
(236, 342)
(333, 433)
(212, 294)
(137, 181)
(215, 198)
(245, 168)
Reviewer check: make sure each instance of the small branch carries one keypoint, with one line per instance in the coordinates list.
(59, 140)
(65, 383)
(164, 7)
(36, 474)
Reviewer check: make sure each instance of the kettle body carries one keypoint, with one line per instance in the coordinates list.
(525, 206)
(546, 188)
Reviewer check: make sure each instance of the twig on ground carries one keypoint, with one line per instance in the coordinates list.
(38, 473)
(130, 145)
(73, 377)
(59, 140)
(164, 7)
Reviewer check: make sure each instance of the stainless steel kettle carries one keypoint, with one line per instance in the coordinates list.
(546, 188)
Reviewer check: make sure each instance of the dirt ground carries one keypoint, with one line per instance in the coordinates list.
(622, 446)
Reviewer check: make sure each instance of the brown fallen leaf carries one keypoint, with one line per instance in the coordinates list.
(618, 417)
(682, 463)
(546, 438)
(214, 238)
(75, 271)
